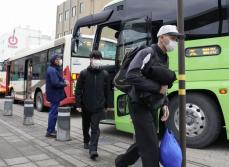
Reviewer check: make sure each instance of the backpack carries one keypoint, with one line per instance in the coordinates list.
(120, 81)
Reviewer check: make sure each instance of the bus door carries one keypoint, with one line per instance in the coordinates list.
(107, 45)
(28, 78)
(7, 78)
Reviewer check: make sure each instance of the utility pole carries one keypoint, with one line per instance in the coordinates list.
(182, 91)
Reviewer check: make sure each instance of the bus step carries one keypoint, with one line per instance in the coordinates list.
(107, 121)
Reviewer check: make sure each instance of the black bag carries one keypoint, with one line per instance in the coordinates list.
(120, 81)
(161, 74)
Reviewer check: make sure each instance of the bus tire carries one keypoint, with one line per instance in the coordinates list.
(39, 101)
(203, 120)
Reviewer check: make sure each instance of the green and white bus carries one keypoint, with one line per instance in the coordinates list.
(135, 22)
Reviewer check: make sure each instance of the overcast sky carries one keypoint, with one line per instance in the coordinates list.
(38, 14)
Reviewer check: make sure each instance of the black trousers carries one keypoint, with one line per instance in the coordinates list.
(91, 120)
(146, 146)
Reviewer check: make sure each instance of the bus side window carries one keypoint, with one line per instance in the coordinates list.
(2, 66)
(108, 42)
(58, 50)
(108, 49)
(39, 66)
(209, 22)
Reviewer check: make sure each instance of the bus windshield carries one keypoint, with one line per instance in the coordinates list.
(107, 48)
(133, 34)
(84, 48)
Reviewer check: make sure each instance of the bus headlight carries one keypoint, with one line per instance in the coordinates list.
(74, 76)
(122, 108)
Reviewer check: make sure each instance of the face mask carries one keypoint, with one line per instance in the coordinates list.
(96, 63)
(60, 62)
(171, 45)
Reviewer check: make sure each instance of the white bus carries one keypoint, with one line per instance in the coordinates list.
(2, 78)
(27, 70)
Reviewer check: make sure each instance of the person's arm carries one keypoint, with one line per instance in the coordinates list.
(135, 76)
(54, 79)
(166, 102)
(79, 90)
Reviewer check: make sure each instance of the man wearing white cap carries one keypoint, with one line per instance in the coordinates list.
(146, 96)
(167, 36)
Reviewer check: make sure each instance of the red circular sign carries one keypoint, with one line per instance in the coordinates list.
(13, 40)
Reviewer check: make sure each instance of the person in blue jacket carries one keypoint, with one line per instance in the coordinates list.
(54, 92)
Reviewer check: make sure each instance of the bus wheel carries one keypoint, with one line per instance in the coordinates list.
(39, 101)
(203, 121)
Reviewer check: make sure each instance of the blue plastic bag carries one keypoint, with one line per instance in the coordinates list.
(170, 151)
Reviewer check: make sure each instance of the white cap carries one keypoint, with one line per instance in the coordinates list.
(169, 30)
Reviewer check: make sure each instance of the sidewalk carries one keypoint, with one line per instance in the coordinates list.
(19, 149)
(26, 146)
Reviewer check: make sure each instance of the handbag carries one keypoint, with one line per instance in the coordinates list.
(170, 151)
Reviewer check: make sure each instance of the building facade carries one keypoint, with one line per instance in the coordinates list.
(71, 10)
(21, 39)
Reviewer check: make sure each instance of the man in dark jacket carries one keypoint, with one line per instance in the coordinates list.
(141, 107)
(54, 92)
(91, 98)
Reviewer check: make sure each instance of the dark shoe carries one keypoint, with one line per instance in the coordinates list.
(118, 162)
(54, 132)
(93, 155)
(86, 146)
(51, 135)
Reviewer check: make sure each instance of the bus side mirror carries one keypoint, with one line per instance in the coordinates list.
(74, 45)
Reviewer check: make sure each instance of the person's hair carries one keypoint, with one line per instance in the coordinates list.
(96, 54)
(53, 58)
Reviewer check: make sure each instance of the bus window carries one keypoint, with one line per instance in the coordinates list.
(2, 66)
(107, 44)
(84, 42)
(17, 70)
(84, 47)
(209, 22)
(39, 65)
(133, 34)
(58, 50)
(108, 49)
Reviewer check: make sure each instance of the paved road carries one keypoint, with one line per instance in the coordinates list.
(26, 146)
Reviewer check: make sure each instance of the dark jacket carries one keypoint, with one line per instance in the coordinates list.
(54, 85)
(161, 74)
(92, 90)
(144, 89)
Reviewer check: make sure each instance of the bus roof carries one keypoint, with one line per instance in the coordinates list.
(112, 3)
(155, 10)
(48, 45)
(51, 44)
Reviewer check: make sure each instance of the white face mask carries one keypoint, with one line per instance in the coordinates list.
(96, 63)
(171, 45)
(60, 62)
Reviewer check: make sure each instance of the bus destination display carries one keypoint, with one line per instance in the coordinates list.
(203, 51)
